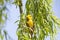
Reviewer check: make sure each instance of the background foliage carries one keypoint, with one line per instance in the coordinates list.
(3, 19)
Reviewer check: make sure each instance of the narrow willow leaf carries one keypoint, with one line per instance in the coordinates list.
(16, 21)
(48, 2)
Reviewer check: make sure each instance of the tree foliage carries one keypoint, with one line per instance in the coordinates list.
(3, 18)
(44, 20)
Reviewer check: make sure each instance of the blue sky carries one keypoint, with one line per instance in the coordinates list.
(13, 15)
(56, 7)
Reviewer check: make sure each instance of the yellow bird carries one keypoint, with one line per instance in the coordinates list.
(30, 23)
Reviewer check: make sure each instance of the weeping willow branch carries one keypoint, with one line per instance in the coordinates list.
(20, 6)
(21, 12)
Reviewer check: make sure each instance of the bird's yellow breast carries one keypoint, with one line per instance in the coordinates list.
(30, 23)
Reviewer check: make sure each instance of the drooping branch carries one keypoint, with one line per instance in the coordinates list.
(20, 6)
